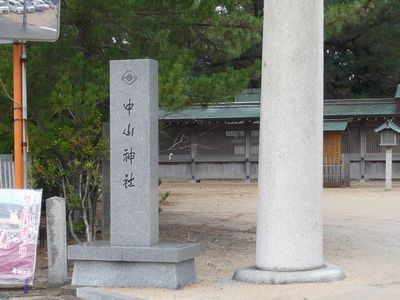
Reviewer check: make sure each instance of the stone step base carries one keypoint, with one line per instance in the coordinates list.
(134, 274)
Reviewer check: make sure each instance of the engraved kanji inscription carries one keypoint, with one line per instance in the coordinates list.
(129, 106)
(128, 181)
(129, 131)
(128, 155)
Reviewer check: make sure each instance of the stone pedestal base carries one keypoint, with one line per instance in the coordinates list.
(164, 265)
(253, 275)
(126, 274)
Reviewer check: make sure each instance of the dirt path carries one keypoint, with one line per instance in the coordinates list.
(361, 235)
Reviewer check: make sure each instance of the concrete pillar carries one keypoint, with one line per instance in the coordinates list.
(388, 176)
(289, 213)
(56, 241)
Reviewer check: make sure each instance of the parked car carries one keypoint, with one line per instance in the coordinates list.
(29, 7)
(50, 4)
(15, 6)
(4, 9)
(40, 5)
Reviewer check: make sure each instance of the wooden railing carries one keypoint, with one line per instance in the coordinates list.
(333, 174)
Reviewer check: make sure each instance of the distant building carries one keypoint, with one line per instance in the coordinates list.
(220, 141)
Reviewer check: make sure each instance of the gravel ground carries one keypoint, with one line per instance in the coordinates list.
(361, 235)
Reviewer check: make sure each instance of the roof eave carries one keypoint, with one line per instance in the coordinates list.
(388, 125)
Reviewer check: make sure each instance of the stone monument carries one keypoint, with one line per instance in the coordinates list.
(56, 241)
(289, 213)
(134, 257)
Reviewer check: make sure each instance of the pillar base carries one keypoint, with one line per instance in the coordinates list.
(324, 274)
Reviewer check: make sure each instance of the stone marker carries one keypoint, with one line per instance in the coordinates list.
(289, 213)
(134, 153)
(134, 257)
(56, 241)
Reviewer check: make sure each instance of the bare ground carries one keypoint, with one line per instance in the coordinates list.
(361, 235)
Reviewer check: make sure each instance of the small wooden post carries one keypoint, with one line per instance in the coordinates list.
(247, 134)
(363, 150)
(193, 162)
(193, 154)
(346, 170)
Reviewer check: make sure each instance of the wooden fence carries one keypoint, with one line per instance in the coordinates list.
(6, 172)
(333, 174)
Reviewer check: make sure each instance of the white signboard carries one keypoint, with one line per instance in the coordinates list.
(29, 20)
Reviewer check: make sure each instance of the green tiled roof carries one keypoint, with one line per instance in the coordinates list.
(361, 107)
(333, 109)
(335, 125)
(215, 112)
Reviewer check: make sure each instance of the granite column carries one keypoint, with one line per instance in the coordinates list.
(289, 215)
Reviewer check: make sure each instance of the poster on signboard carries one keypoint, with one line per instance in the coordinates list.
(19, 226)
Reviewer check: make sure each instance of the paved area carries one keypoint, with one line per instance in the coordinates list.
(41, 25)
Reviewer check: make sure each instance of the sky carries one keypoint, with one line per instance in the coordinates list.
(17, 196)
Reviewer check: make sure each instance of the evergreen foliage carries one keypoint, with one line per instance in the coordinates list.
(208, 51)
(362, 56)
(198, 45)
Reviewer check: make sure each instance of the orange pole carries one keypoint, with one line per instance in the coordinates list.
(18, 155)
